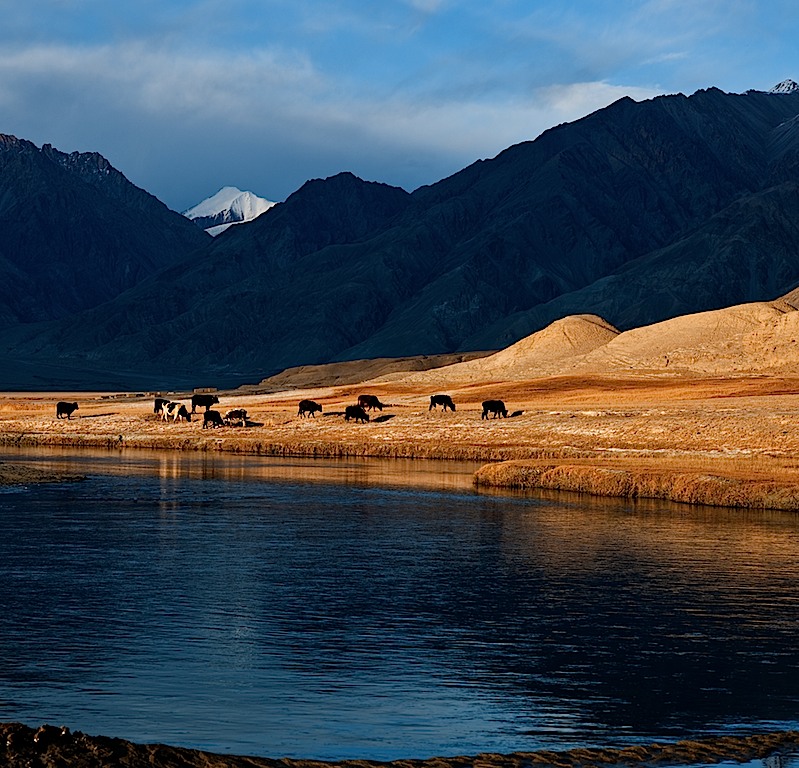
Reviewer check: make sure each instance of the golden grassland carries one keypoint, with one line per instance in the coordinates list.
(708, 440)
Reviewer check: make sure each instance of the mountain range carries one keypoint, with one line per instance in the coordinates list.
(639, 212)
(74, 232)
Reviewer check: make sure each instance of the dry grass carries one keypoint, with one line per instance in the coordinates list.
(719, 440)
(660, 483)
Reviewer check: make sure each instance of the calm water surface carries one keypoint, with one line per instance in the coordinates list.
(296, 609)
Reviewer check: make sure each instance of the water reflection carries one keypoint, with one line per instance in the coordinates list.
(296, 617)
(443, 475)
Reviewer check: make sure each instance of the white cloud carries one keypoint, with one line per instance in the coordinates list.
(668, 56)
(472, 129)
(154, 80)
(570, 101)
(168, 118)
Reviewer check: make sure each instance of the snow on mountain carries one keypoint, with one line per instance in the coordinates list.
(786, 86)
(228, 206)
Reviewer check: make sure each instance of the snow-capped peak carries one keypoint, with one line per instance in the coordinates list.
(786, 86)
(228, 206)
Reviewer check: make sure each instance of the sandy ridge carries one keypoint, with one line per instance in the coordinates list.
(759, 338)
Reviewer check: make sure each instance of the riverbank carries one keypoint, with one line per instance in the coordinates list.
(637, 480)
(25, 747)
(22, 474)
(712, 440)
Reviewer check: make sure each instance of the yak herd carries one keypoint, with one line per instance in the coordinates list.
(211, 418)
(175, 411)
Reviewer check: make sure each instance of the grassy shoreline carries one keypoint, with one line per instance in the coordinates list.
(570, 471)
(256, 446)
(727, 442)
(667, 484)
(12, 474)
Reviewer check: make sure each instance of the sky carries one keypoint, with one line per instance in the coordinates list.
(187, 96)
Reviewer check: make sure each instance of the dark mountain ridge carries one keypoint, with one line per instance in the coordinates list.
(637, 212)
(75, 232)
(583, 201)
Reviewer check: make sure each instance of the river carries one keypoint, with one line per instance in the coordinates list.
(381, 609)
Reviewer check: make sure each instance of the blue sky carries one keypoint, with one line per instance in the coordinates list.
(187, 96)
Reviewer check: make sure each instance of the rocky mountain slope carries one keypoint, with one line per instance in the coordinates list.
(636, 213)
(74, 232)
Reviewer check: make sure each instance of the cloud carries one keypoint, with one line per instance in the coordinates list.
(427, 6)
(170, 120)
(156, 80)
(468, 130)
(570, 101)
(679, 43)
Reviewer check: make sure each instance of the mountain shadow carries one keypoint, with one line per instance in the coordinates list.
(74, 232)
(637, 212)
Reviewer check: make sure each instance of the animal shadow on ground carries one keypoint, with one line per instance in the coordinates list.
(384, 417)
(515, 413)
(333, 413)
(96, 415)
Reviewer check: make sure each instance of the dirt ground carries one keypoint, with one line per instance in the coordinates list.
(742, 429)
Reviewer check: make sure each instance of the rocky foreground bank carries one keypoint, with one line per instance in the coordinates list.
(52, 747)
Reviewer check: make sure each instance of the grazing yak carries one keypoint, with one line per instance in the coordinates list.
(237, 415)
(65, 409)
(203, 401)
(158, 405)
(309, 407)
(370, 402)
(213, 419)
(355, 412)
(497, 407)
(174, 409)
(443, 400)
(180, 412)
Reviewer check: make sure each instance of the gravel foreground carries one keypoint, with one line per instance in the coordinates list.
(53, 747)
